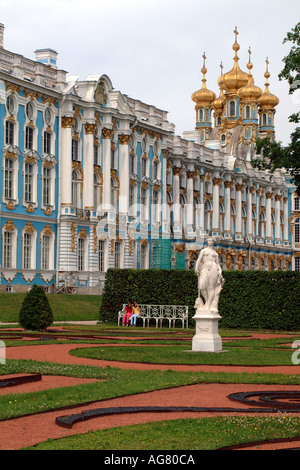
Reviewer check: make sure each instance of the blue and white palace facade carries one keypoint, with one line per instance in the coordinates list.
(93, 179)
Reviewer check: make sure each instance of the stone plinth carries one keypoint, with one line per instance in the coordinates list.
(207, 338)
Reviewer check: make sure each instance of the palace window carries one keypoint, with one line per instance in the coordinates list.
(297, 264)
(201, 115)
(29, 138)
(8, 250)
(297, 230)
(117, 255)
(28, 180)
(8, 179)
(232, 111)
(131, 199)
(131, 164)
(27, 251)
(46, 184)
(264, 119)
(75, 189)
(296, 203)
(75, 150)
(47, 143)
(9, 132)
(45, 260)
(143, 204)
(81, 254)
(96, 191)
(101, 255)
(155, 206)
(155, 170)
(247, 112)
(144, 256)
(143, 167)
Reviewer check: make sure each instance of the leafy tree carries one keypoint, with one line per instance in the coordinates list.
(273, 155)
(36, 313)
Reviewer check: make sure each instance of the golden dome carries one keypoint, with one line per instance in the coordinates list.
(249, 92)
(235, 79)
(203, 97)
(267, 100)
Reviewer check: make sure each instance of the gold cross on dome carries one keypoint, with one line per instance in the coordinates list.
(204, 57)
(236, 34)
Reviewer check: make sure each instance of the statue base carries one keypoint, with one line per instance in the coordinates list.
(207, 338)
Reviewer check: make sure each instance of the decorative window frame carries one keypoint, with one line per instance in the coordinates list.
(30, 122)
(10, 227)
(48, 232)
(11, 153)
(31, 158)
(83, 235)
(29, 230)
(144, 245)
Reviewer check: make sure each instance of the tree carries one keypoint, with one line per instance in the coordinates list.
(271, 155)
(36, 313)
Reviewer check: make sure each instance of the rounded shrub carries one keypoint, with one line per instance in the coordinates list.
(36, 313)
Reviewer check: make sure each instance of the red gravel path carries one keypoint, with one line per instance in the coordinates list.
(26, 431)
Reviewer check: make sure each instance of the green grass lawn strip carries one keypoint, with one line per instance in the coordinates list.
(181, 434)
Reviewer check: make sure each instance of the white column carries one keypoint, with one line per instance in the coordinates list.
(268, 217)
(216, 206)
(286, 219)
(165, 207)
(176, 195)
(277, 219)
(124, 174)
(227, 224)
(106, 202)
(88, 166)
(249, 213)
(190, 199)
(66, 161)
(238, 223)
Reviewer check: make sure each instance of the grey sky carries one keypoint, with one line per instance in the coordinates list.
(152, 50)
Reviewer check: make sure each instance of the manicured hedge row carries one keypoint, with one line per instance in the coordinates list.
(254, 299)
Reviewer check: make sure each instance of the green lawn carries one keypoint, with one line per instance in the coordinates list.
(64, 307)
(181, 434)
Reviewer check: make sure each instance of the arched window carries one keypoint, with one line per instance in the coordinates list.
(201, 115)
(247, 112)
(232, 108)
(264, 119)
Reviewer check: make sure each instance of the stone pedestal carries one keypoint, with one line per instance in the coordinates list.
(207, 338)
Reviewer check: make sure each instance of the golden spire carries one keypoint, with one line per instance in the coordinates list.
(267, 99)
(250, 92)
(232, 81)
(218, 104)
(203, 97)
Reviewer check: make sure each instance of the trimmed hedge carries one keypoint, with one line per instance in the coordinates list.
(249, 299)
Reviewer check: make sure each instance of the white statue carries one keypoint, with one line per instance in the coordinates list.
(210, 279)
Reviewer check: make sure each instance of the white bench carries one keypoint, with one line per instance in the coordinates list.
(160, 313)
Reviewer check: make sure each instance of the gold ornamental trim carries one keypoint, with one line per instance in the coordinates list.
(9, 226)
(124, 139)
(67, 122)
(89, 128)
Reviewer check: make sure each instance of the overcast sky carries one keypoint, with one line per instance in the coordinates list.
(152, 50)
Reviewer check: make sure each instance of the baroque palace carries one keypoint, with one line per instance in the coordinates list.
(93, 179)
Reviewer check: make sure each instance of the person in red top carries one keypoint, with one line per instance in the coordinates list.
(127, 314)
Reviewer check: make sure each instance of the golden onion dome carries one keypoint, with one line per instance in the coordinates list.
(235, 79)
(203, 97)
(249, 92)
(267, 100)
